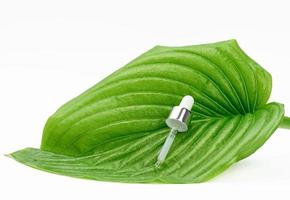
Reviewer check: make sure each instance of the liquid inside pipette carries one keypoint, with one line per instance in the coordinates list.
(166, 147)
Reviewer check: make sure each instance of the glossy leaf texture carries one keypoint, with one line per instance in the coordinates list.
(115, 130)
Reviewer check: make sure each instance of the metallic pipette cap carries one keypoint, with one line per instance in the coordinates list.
(180, 115)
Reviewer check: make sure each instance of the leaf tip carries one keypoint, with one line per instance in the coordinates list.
(8, 155)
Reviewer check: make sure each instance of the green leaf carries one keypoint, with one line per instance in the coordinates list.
(115, 130)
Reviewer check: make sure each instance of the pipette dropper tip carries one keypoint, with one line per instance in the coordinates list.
(157, 164)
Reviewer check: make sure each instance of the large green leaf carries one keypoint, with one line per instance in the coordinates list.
(115, 130)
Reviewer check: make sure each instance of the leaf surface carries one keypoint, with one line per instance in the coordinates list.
(115, 130)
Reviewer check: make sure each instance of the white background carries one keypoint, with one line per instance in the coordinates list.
(50, 51)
